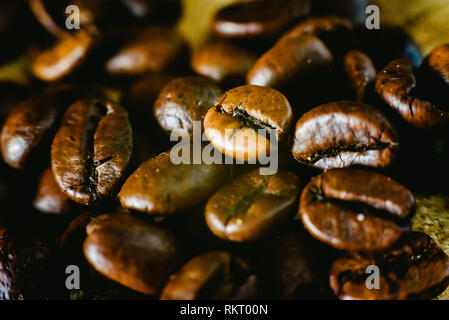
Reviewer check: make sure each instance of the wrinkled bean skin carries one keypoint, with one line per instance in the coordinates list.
(160, 187)
(65, 56)
(414, 269)
(240, 112)
(222, 61)
(352, 209)
(91, 150)
(395, 84)
(297, 56)
(342, 134)
(252, 206)
(126, 250)
(183, 101)
(154, 49)
(360, 71)
(49, 198)
(29, 122)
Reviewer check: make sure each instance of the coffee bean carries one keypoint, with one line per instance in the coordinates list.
(65, 56)
(416, 268)
(49, 198)
(30, 122)
(160, 187)
(222, 61)
(91, 150)
(438, 61)
(183, 101)
(360, 71)
(238, 115)
(395, 84)
(342, 134)
(290, 58)
(211, 275)
(253, 205)
(262, 18)
(353, 209)
(153, 49)
(126, 250)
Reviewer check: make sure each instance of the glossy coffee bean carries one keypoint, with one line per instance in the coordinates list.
(30, 122)
(222, 61)
(416, 268)
(360, 71)
(342, 134)
(65, 56)
(184, 101)
(238, 115)
(159, 186)
(438, 61)
(261, 18)
(211, 275)
(290, 58)
(353, 209)
(49, 198)
(91, 150)
(253, 206)
(396, 85)
(137, 255)
(154, 49)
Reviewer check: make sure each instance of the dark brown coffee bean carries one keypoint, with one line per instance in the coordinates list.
(183, 101)
(353, 209)
(153, 49)
(238, 115)
(91, 150)
(211, 275)
(262, 18)
(49, 198)
(360, 71)
(126, 250)
(396, 84)
(416, 268)
(342, 134)
(65, 56)
(253, 205)
(290, 58)
(438, 61)
(160, 187)
(30, 122)
(223, 61)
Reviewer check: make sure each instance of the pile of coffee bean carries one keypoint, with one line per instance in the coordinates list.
(96, 206)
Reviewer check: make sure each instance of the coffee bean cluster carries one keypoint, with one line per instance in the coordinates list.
(359, 119)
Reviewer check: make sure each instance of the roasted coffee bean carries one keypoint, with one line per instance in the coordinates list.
(261, 18)
(416, 268)
(184, 101)
(65, 56)
(161, 187)
(396, 84)
(138, 255)
(211, 275)
(360, 71)
(290, 58)
(353, 209)
(222, 61)
(342, 134)
(30, 122)
(438, 61)
(253, 205)
(240, 113)
(154, 49)
(91, 150)
(49, 198)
